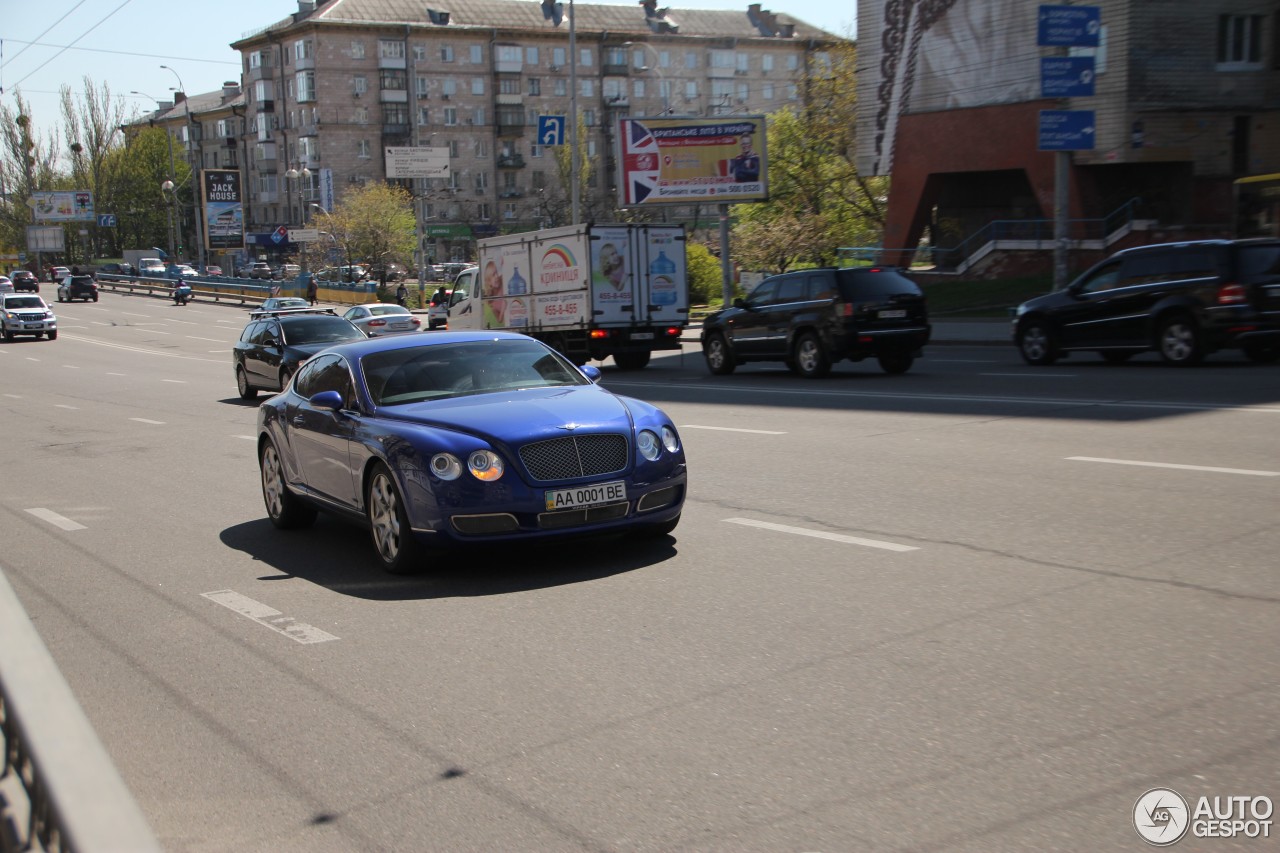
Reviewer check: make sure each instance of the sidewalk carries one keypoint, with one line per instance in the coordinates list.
(945, 333)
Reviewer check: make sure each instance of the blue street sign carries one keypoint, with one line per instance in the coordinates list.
(1066, 130)
(1066, 77)
(106, 220)
(551, 130)
(1069, 26)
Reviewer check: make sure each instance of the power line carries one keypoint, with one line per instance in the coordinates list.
(125, 53)
(82, 35)
(46, 32)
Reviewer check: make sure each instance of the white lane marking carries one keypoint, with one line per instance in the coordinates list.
(1207, 468)
(71, 366)
(29, 358)
(116, 374)
(55, 519)
(14, 396)
(218, 351)
(64, 406)
(144, 350)
(711, 387)
(821, 534)
(268, 617)
(100, 323)
(732, 429)
(147, 421)
(1034, 375)
(131, 314)
(175, 381)
(158, 332)
(247, 437)
(211, 340)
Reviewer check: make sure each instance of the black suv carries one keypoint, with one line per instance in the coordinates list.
(1183, 300)
(25, 280)
(275, 342)
(811, 319)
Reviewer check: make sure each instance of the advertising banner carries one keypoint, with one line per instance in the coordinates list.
(717, 160)
(223, 206)
(71, 206)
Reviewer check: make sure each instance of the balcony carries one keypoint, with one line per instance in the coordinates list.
(511, 192)
(510, 161)
(396, 129)
(266, 106)
(621, 70)
(511, 129)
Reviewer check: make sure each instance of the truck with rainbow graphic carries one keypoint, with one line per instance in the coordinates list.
(590, 291)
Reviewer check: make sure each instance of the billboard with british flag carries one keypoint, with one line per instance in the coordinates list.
(679, 160)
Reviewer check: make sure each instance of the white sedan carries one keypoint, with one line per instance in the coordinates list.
(380, 318)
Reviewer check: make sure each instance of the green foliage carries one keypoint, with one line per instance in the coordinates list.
(374, 224)
(703, 270)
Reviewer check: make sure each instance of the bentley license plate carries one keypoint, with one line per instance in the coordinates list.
(580, 496)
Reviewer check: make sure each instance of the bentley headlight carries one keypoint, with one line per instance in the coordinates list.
(670, 440)
(446, 466)
(647, 444)
(485, 465)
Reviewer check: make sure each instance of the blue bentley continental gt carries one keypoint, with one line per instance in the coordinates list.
(465, 437)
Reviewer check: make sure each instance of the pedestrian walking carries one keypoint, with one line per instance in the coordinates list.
(313, 290)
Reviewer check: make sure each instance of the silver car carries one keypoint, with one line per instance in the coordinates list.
(380, 318)
(26, 314)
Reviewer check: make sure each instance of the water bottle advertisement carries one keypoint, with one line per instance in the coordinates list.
(668, 298)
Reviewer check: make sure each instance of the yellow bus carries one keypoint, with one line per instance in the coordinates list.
(1258, 206)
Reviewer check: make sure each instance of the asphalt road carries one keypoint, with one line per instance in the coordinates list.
(980, 606)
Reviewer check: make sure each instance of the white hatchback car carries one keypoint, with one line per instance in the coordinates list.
(26, 314)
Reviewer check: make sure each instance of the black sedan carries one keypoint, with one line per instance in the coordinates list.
(275, 342)
(25, 280)
(460, 438)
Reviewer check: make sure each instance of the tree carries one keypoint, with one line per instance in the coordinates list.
(91, 123)
(817, 200)
(703, 271)
(375, 224)
(27, 164)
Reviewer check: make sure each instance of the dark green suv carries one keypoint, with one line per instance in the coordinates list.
(811, 319)
(1183, 300)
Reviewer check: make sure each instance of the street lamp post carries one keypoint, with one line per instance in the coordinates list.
(299, 176)
(195, 167)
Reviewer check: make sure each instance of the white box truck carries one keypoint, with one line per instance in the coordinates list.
(590, 291)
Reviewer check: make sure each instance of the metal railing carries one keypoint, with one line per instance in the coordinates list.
(75, 799)
(1023, 234)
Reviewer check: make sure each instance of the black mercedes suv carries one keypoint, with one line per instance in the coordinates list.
(811, 319)
(1183, 300)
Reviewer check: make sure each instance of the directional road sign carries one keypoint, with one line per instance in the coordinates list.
(1066, 77)
(1066, 130)
(551, 130)
(106, 220)
(418, 162)
(1069, 26)
(304, 235)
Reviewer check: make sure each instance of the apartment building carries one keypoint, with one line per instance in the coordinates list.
(1186, 100)
(324, 92)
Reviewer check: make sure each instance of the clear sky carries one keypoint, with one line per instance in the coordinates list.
(48, 44)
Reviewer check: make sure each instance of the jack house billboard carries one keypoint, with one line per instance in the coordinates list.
(684, 159)
(223, 205)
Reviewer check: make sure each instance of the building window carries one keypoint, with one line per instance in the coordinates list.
(793, 62)
(362, 115)
(453, 152)
(535, 150)
(450, 116)
(482, 180)
(357, 50)
(539, 180)
(449, 86)
(419, 53)
(531, 56)
(393, 78)
(509, 54)
(535, 86)
(446, 53)
(690, 59)
(744, 63)
(510, 116)
(557, 57)
(766, 62)
(477, 85)
(362, 149)
(561, 86)
(359, 84)
(477, 117)
(509, 210)
(481, 149)
(766, 91)
(637, 88)
(477, 54)
(691, 89)
(424, 115)
(1239, 42)
(584, 57)
(423, 85)
(306, 86)
(262, 91)
(615, 56)
(482, 211)
(395, 114)
(390, 49)
(587, 87)
(302, 49)
(589, 118)
(722, 59)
